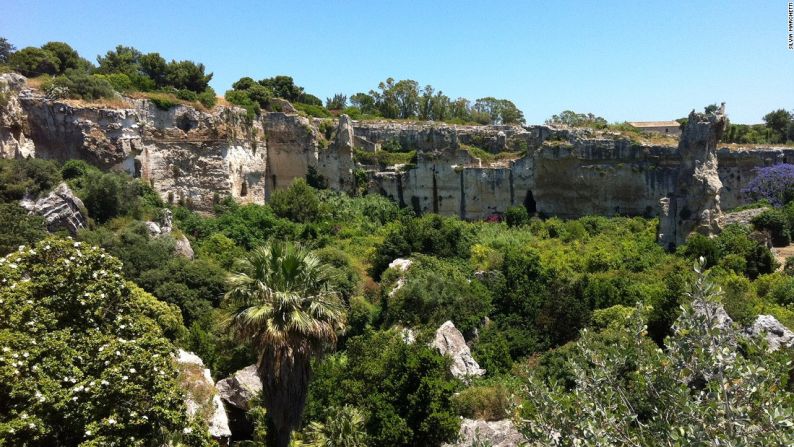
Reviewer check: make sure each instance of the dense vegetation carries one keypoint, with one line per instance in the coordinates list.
(567, 317)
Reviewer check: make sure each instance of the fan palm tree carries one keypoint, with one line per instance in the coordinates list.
(343, 428)
(281, 301)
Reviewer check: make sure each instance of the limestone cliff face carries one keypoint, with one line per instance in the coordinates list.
(198, 156)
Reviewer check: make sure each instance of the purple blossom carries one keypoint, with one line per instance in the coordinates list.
(773, 183)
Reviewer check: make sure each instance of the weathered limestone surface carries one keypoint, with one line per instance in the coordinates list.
(773, 331)
(61, 210)
(449, 341)
(197, 384)
(494, 433)
(239, 389)
(694, 204)
(196, 157)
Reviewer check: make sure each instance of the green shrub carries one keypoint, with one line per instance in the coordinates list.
(120, 81)
(81, 85)
(776, 223)
(18, 228)
(484, 402)
(492, 351)
(27, 176)
(241, 98)
(435, 291)
(313, 110)
(208, 98)
(432, 234)
(516, 216)
(187, 95)
(163, 101)
(298, 203)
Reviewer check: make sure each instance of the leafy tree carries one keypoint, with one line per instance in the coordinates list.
(344, 428)
(155, 67)
(776, 223)
(498, 111)
(6, 50)
(338, 102)
(573, 119)
(19, 228)
(284, 87)
(67, 57)
(120, 60)
(364, 102)
(281, 302)
(187, 75)
(780, 121)
(32, 61)
(71, 373)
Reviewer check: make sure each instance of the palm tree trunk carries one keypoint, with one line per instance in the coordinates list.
(285, 374)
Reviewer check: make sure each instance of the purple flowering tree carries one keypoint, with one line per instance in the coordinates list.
(773, 183)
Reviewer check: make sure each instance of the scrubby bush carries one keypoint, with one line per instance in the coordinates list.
(776, 223)
(298, 203)
(490, 402)
(516, 216)
(80, 85)
(27, 177)
(18, 228)
(435, 291)
(433, 235)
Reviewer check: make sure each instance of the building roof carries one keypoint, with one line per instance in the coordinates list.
(654, 123)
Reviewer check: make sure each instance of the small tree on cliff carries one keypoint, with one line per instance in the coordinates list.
(282, 301)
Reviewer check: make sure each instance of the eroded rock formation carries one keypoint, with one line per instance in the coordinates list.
(493, 433)
(449, 341)
(773, 331)
(694, 204)
(61, 210)
(201, 398)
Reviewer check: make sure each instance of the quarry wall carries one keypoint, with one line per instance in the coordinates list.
(198, 156)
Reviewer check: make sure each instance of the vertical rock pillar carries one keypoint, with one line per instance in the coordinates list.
(694, 205)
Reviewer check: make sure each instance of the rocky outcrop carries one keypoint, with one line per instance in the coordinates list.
(163, 228)
(744, 217)
(493, 433)
(201, 398)
(239, 389)
(775, 334)
(449, 341)
(694, 204)
(238, 392)
(61, 210)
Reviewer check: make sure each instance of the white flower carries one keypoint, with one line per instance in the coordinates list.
(32, 425)
(6, 349)
(47, 247)
(132, 371)
(21, 247)
(104, 382)
(23, 416)
(187, 430)
(76, 244)
(145, 417)
(107, 362)
(124, 377)
(25, 354)
(111, 421)
(118, 353)
(74, 398)
(12, 265)
(88, 432)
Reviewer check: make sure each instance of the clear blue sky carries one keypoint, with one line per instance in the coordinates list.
(628, 60)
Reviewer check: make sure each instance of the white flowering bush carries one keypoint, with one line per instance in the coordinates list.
(710, 386)
(85, 357)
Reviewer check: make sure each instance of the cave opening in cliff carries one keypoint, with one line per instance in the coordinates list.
(529, 203)
(244, 189)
